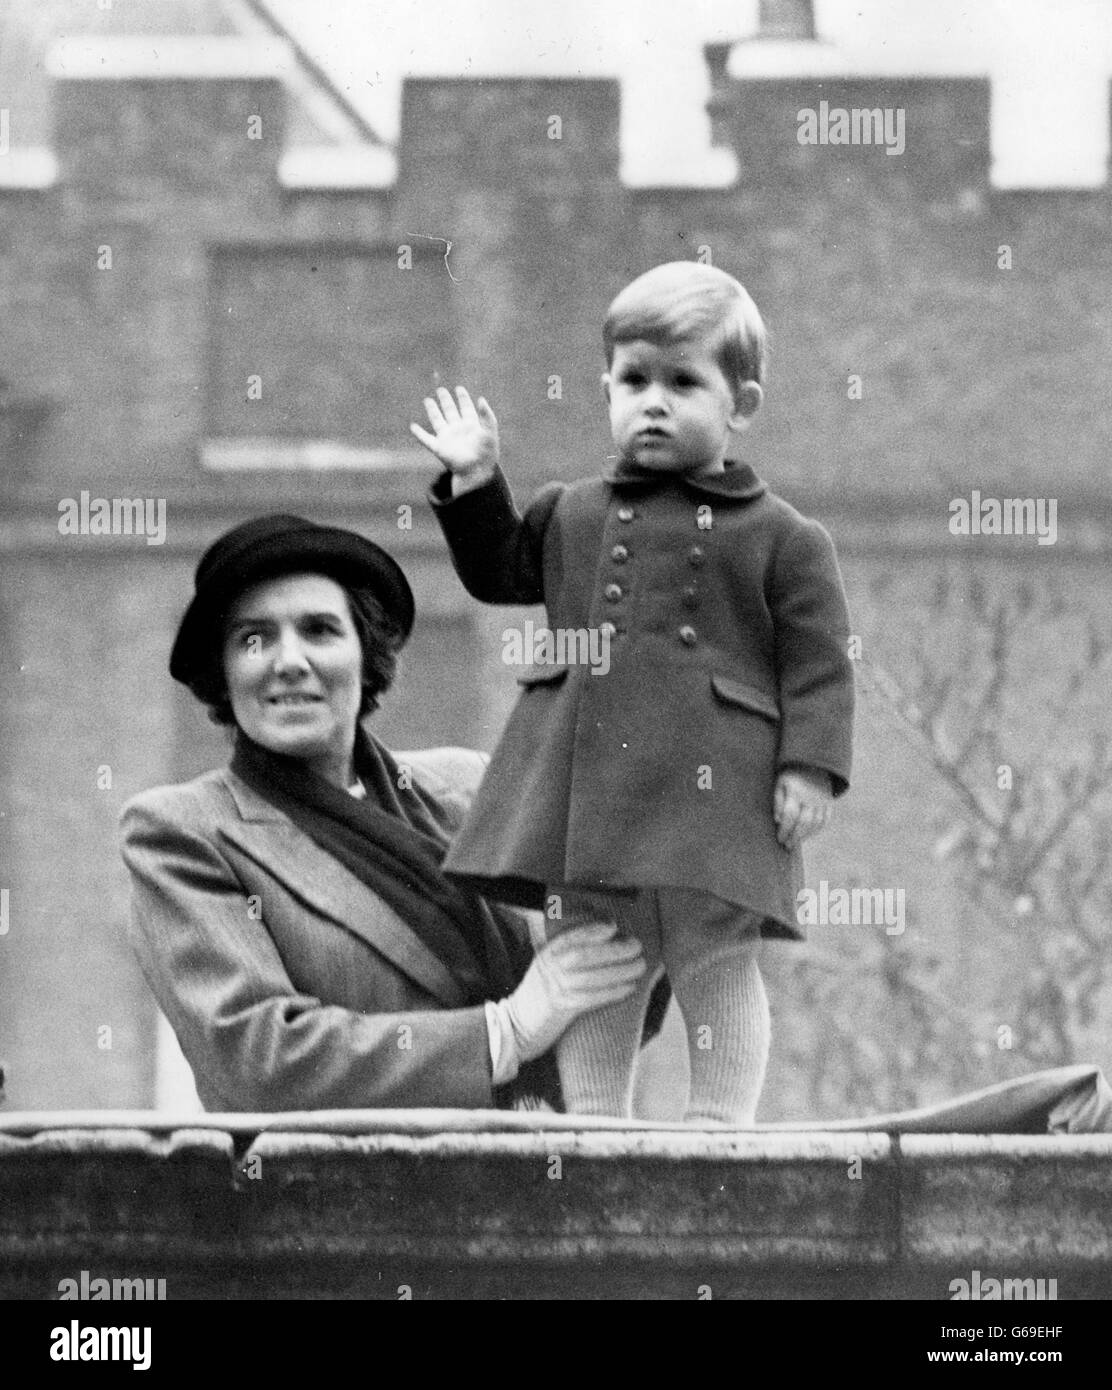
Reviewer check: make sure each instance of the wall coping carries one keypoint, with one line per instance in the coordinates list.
(488, 1131)
(87, 58)
(805, 59)
(32, 168)
(375, 483)
(251, 455)
(26, 1123)
(338, 168)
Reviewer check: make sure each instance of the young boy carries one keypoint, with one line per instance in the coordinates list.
(673, 792)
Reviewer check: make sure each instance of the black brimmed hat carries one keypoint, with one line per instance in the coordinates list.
(269, 546)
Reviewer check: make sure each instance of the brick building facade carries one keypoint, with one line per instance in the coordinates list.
(255, 338)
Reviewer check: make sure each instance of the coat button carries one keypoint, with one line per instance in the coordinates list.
(691, 597)
(619, 555)
(695, 556)
(607, 630)
(625, 513)
(613, 592)
(688, 636)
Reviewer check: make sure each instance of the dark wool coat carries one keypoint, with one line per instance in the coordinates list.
(728, 662)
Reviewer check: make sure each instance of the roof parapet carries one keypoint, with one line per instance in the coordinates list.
(337, 168)
(151, 57)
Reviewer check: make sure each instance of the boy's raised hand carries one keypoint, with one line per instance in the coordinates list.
(801, 804)
(464, 436)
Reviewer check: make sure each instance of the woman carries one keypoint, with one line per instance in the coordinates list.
(289, 911)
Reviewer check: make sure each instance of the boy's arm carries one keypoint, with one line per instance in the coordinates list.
(813, 667)
(498, 554)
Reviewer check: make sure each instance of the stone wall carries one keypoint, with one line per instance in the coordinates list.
(433, 1209)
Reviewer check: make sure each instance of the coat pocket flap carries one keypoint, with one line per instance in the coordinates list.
(547, 674)
(736, 692)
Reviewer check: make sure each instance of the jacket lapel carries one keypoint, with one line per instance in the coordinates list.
(319, 881)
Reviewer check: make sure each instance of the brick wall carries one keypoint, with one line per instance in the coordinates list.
(885, 268)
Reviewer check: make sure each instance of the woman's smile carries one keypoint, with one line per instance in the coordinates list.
(297, 700)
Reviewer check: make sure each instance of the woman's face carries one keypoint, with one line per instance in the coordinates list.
(294, 668)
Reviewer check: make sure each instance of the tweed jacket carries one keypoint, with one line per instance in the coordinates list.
(289, 983)
(728, 661)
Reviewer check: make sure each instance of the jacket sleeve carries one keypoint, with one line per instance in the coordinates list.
(254, 1042)
(497, 553)
(813, 667)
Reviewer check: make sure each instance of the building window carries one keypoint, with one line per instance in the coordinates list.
(319, 354)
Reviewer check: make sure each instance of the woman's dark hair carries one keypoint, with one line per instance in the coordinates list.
(380, 640)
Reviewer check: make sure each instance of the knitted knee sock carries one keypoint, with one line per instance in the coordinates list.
(596, 1056)
(725, 1012)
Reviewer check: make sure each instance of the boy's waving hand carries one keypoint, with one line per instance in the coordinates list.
(464, 437)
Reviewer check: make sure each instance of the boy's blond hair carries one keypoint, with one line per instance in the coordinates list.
(683, 300)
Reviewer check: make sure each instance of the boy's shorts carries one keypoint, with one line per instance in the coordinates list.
(678, 927)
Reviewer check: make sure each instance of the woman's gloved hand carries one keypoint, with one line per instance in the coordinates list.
(580, 970)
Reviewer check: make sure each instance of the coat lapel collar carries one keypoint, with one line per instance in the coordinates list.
(323, 884)
(739, 483)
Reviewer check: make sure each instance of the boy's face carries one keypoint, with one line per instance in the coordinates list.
(672, 408)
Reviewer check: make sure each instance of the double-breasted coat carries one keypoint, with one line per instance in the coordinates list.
(728, 661)
(289, 983)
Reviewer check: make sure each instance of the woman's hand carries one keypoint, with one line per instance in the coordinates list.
(464, 437)
(578, 971)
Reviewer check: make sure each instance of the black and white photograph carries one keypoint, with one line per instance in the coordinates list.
(555, 649)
